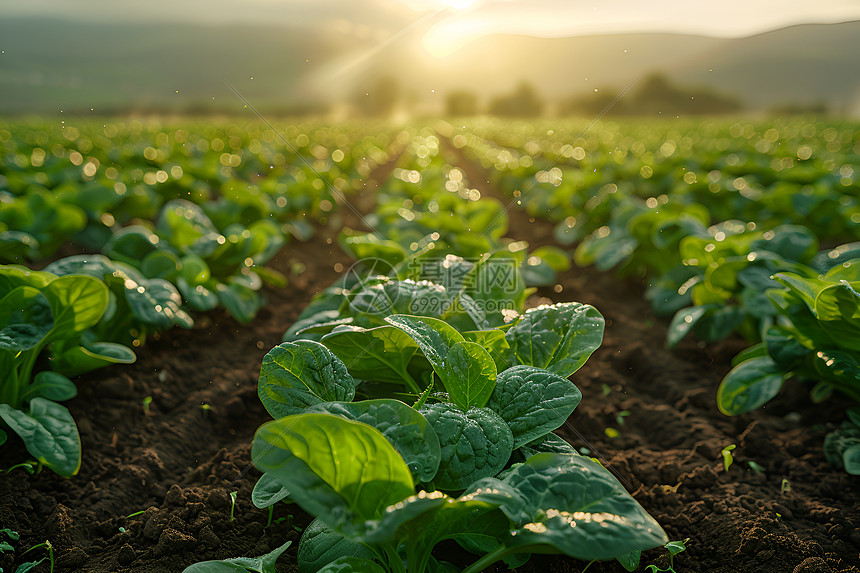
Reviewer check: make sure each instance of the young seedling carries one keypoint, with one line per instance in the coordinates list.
(146, 402)
(621, 415)
(31, 467)
(30, 565)
(755, 467)
(784, 486)
(232, 504)
(727, 456)
(673, 547)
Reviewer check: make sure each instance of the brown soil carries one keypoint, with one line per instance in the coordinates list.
(179, 462)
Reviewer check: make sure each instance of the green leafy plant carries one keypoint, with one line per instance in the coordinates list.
(263, 564)
(673, 547)
(351, 476)
(209, 267)
(842, 446)
(40, 311)
(726, 453)
(494, 397)
(816, 337)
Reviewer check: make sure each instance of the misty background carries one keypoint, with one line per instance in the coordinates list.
(407, 57)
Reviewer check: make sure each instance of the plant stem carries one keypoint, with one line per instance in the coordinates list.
(395, 563)
(488, 559)
(410, 381)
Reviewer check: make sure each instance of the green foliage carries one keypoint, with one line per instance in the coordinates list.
(42, 312)
(264, 564)
(367, 510)
(815, 337)
(559, 338)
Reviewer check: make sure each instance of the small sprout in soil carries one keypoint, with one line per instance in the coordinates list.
(606, 389)
(146, 402)
(122, 529)
(31, 467)
(136, 513)
(621, 415)
(232, 504)
(784, 486)
(297, 269)
(727, 456)
(204, 407)
(30, 565)
(611, 432)
(584, 451)
(755, 467)
(673, 547)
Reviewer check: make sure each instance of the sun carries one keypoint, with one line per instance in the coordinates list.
(447, 37)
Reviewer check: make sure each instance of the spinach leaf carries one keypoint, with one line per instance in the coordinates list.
(548, 443)
(295, 375)
(469, 375)
(496, 284)
(467, 371)
(344, 472)
(268, 490)
(350, 564)
(433, 336)
(49, 432)
(407, 430)
(494, 342)
(559, 337)
(370, 302)
(476, 443)
(381, 354)
(574, 505)
(321, 545)
(749, 385)
(264, 564)
(533, 401)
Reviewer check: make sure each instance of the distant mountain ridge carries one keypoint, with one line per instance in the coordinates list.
(51, 65)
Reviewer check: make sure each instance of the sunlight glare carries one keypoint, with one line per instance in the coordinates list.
(446, 38)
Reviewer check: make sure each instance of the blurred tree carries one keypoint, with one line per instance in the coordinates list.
(380, 98)
(655, 94)
(523, 102)
(593, 103)
(811, 108)
(461, 102)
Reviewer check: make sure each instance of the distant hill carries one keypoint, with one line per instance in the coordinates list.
(49, 65)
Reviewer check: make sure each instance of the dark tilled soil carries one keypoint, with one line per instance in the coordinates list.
(153, 494)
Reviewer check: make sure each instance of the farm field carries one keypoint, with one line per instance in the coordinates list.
(660, 316)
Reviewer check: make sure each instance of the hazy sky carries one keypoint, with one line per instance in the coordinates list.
(444, 25)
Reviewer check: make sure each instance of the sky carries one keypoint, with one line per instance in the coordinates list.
(445, 25)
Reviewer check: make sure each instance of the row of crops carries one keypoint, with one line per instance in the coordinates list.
(735, 228)
(414, 400)
(175, 221)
